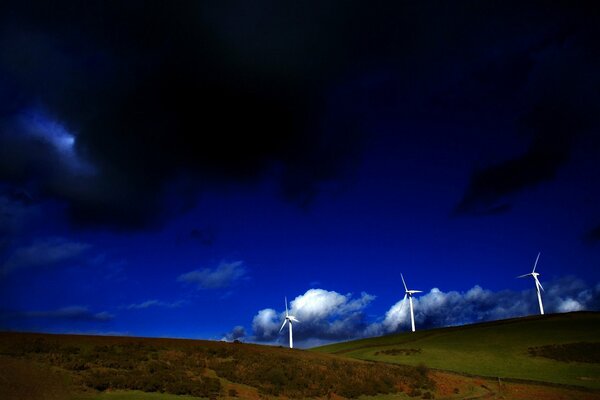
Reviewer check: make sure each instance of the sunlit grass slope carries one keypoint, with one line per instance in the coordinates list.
(496, 349)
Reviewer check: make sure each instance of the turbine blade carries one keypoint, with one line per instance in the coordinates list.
(536, 261)
(282, 325)
(405, 288)
(403, 303)
(416, 291)
(286, 310)
(523, 276)
(291, 317)
(537, 282)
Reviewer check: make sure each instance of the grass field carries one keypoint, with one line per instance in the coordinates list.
(497, 349)
(133, 395)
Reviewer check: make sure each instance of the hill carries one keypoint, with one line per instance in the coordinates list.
(551, 357)
(43, 366)
(558, 348)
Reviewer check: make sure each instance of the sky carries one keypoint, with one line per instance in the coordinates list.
(177, 170)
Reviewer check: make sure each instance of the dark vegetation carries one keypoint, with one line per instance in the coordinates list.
(202, 368)
(21, 379)
(584, 352)
(398, 352)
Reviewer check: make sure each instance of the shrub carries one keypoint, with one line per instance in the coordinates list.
(578, 352)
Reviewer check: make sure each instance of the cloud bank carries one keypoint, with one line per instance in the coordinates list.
(328, 316)
(323, 315)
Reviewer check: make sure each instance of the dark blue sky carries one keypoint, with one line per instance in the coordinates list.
(176, 170)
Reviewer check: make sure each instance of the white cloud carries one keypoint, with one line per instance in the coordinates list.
(153, 303)
(237, 333)
(569, 305)
(46, 252)
(324, 315)
(222, 276)
(323, 304)
(75, 313)
(265, 324)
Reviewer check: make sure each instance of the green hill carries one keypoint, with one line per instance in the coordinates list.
(557, 348)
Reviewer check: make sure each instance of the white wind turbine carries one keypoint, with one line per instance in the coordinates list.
(538, 285)
(288, 319)
(409, 294)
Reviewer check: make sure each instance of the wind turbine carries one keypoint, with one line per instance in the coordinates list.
(288, 319)
(538, 285)
(409, 294)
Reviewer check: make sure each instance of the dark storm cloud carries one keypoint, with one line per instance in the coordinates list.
(555, 127)
(205, 236)
(559, 105)
(110, 105)
(593, 235)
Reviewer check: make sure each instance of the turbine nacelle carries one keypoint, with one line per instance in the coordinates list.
(533, 274)
(538, 285)
(288, 319)
(409, 293)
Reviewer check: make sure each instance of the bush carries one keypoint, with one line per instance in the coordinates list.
(578, 352)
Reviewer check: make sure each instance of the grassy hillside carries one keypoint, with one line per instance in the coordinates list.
(558, 348)
(38, 366)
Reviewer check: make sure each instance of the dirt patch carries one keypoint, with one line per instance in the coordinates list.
(519, 391)
(456, 386)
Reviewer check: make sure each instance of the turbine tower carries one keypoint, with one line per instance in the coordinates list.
(409, 294)
(288, 319)
(538, 285)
